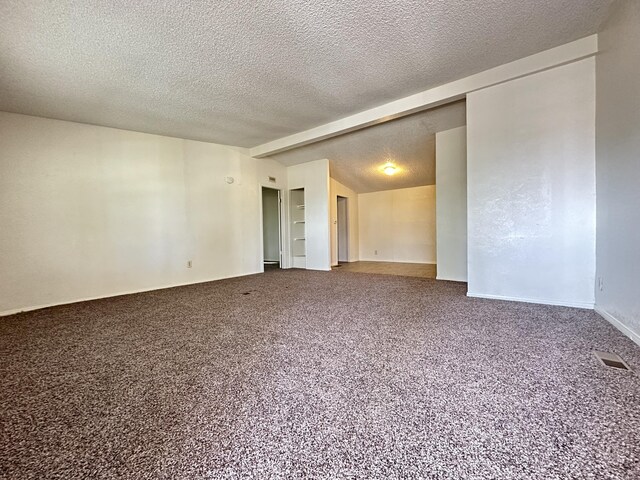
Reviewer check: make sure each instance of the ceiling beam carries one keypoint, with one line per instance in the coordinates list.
(436, 96)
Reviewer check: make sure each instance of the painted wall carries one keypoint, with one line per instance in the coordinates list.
(531, 187)
(89, 211)
(354, 238)
(400, 225)
(314, 178)
(451, 204)
(270, 225)
(618, 168)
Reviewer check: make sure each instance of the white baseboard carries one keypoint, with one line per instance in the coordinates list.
(540, 301)
(117, 294)
(619, 325)
(463, 280)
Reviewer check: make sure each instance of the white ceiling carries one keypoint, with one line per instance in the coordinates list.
(409, 142)
(244, 72)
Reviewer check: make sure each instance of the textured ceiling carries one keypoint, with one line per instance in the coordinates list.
(243, 72)
(409, 142)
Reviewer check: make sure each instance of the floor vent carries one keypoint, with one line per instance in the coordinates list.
(611, 360)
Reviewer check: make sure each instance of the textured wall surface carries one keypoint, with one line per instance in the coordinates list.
(398, 225)
(531, 187)
(244, 72)
(89, 211)
(451, 204)
(618, 166)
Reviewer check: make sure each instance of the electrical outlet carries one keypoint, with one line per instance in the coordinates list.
(375, 252)
(189, 264)
(600, 284)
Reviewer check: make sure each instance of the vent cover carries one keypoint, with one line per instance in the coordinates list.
(611, 360)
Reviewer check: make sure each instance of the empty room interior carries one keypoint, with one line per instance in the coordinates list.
(334, 239)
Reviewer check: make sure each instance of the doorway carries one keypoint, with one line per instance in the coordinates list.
(271, 238)
(343, 230)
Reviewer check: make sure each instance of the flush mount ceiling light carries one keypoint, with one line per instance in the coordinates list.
(389, 168)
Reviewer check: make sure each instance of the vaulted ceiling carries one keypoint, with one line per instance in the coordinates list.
(245, 72)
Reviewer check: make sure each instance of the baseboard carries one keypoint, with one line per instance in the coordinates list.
(451, 279)
(635, 337)
(118, 294)
(587, 305)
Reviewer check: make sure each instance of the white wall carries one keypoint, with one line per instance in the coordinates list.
(451, 204)
(618, 168)
(338, 189)
(531, 187)
(399, 224)
(89, 211)
(314, 178)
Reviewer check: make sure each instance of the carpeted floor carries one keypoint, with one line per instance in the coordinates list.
(295, 374)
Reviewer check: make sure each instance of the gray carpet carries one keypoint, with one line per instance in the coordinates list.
(295, 374)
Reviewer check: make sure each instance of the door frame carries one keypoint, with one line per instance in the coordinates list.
(280, 224)
(346, 226)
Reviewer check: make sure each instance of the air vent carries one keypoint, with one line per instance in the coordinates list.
(611, 360)
(272, 179)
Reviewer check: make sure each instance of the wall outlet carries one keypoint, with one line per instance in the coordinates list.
(375, 252)
(600, 284)
(189, 264)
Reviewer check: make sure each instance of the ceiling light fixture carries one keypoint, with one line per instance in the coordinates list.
(390, 169)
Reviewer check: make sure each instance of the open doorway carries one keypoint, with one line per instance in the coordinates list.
(271, 238)
(343, 230)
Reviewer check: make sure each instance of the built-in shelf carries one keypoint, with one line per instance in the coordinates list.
(298, 228)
